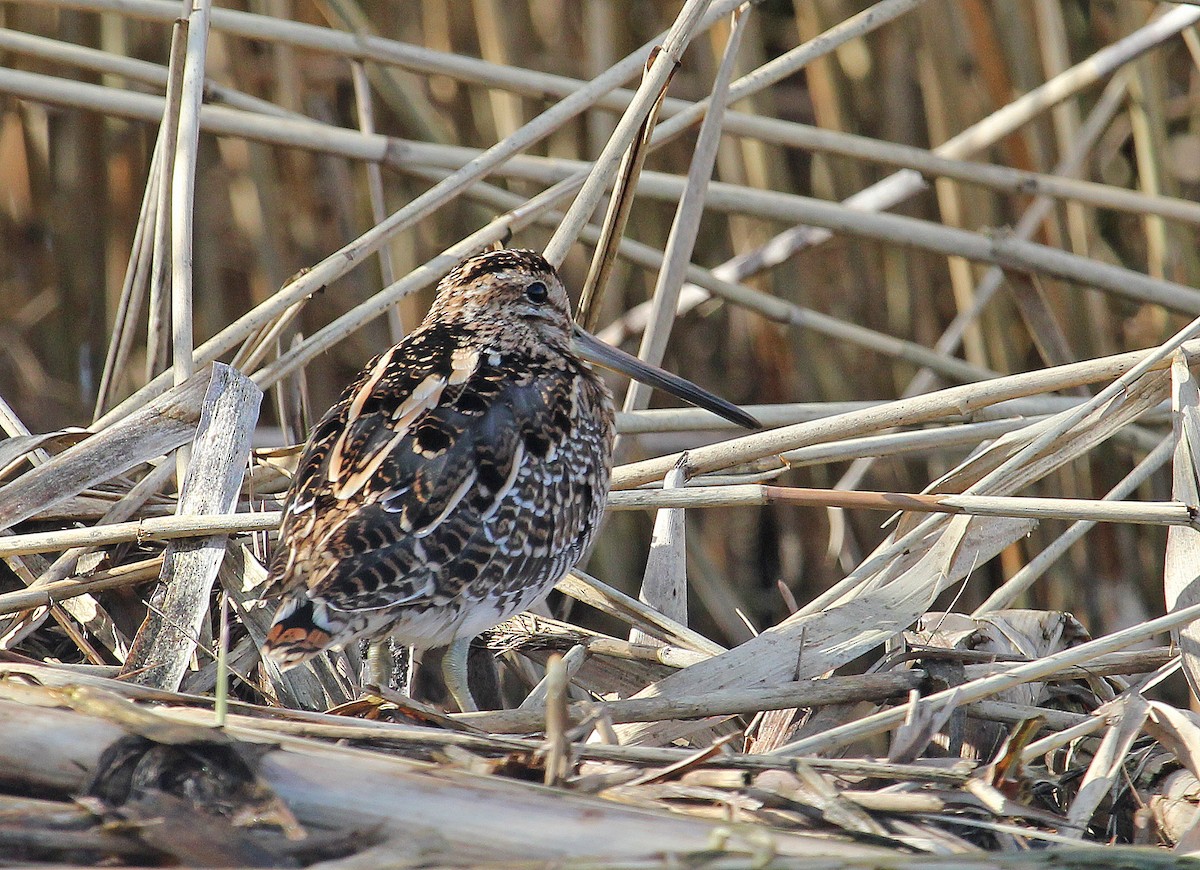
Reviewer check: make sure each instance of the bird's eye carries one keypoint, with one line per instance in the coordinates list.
(537, 292)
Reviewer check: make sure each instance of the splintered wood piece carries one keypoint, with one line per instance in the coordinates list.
(168, 636)
(664, 583)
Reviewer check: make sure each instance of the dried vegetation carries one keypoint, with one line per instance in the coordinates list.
(944, 249)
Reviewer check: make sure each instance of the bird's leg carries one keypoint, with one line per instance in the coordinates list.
(454, 672)
(379, 663)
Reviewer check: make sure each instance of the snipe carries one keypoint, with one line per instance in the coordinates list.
(459, 477)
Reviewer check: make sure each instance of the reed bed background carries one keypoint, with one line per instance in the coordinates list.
(943, 249)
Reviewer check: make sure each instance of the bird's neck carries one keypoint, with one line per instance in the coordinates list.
(504, 338)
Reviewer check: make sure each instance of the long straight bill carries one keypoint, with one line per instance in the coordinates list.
(594, 350)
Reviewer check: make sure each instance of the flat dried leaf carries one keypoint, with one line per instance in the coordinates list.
(161, 426)
(830, 638)
(1176, 811)
(1178, 731)
(14, 450)
(1107, 764)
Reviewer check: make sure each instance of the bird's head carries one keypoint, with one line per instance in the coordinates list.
(514, 297)
(513, 291)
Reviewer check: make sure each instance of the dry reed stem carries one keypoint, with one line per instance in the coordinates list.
(807, 693)
(686, 226)
(183, 189)
(1089, 511)
(301, 773)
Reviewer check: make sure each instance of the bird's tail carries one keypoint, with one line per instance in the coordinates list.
(301, 629)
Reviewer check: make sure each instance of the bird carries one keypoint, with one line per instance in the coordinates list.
(460, 476)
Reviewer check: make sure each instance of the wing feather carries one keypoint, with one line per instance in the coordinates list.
(429, 438)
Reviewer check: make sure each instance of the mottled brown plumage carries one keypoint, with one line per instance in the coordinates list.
(456, 480)
(459, 477)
